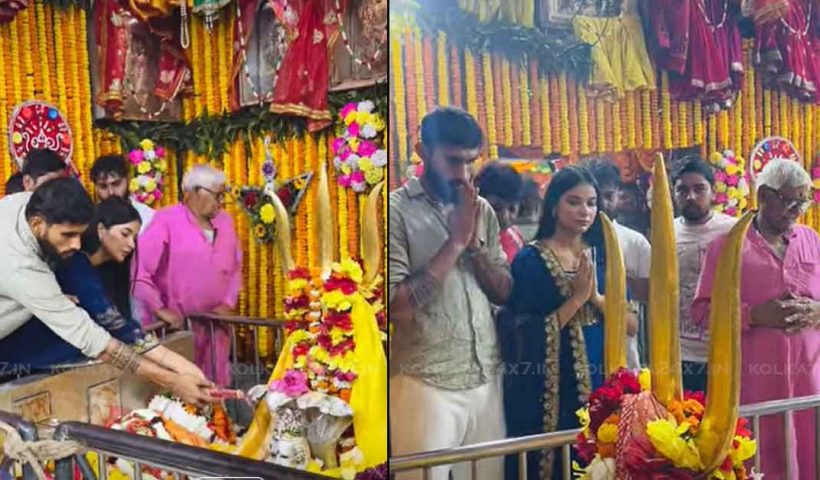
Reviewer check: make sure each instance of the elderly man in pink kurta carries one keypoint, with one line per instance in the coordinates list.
(780, 290)
(189, 261)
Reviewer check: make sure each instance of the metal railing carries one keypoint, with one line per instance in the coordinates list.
(564, 440)
(174, 458)
(28, 433)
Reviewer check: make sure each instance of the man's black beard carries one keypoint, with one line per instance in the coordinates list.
(445, 191)
(700, 216)
(50, 254)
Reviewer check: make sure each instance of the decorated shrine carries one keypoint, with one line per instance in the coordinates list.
(287, 98)
(552, 82)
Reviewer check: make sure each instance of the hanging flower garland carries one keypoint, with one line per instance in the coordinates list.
(731, 183)
(815, 177)
(359, 157)
(149, 165)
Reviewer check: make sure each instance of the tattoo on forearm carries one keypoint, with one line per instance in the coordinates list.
(125, 358)
(421, 288)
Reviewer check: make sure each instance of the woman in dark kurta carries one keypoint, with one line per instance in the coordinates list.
(550, 332)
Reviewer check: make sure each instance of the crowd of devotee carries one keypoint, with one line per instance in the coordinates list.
(85, 272)
(497, 300)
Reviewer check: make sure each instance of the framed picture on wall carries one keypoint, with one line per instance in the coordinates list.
(562, 11)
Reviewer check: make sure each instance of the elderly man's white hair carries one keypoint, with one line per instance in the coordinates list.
(778, 174)
(202, 176)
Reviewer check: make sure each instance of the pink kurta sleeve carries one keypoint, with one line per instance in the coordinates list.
(702, 303)
(236, 282)
(152, 248)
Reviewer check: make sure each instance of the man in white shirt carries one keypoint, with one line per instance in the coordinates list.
(110, 176)
(37, 231)
(696, 227)
(636, 249)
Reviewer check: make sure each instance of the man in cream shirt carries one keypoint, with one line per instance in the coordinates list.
(37, 231)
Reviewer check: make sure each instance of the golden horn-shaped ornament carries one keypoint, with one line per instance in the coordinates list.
(371, 242)
(324, 219)
(664, 346)
(615, 301)
(717, 428)
(282, 232)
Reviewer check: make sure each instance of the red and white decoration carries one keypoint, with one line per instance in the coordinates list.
(39, 125)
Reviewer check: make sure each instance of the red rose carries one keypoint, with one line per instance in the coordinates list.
(602, 403)
(585, 448)
(299, 273)
(346, 285)
(286, 197)
(742, 428)
(250, 200)
(699, 396)
(626, 380)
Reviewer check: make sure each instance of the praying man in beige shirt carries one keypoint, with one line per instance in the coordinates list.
(37, 231)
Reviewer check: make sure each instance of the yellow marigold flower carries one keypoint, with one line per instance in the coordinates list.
(147, 144)
(720, 187)
(666, 437)
(150, 185)
(732, 169)
(374, 175)
(297, 285)
(607, 433)
(336, 300)
(362, 118)
(378, 122)
(349, 268)
(267, 213)
(716, 157)
(645, 379)
(365, 164)
(354, 144)
(144, 167)
(746, 449)
(134, 185)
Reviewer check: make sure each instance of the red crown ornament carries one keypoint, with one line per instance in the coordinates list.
(768, 149)
(39, 125)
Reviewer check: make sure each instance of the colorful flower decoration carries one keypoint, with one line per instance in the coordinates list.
(731, 183)
(148, 162)
(769, 149)
(359, 156)
(664, 449)
(258, 202)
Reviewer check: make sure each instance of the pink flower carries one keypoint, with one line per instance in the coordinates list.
(817, 196)
(159, 151)
(157, 194)
(344, 180)
(357, 177)
(338, 143)
(721, 198)
(136, 156)
(350, 107)
(731, 211)
(293, 384)
(815, 172)
(353, 129)
(344, 153)
(366, 148)
(732, 180)
(720, 176)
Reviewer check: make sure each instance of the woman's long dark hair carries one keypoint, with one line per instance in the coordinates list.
(566, 179)
(116, 276)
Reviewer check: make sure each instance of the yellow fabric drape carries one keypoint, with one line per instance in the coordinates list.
(368, 397)
(620, 62)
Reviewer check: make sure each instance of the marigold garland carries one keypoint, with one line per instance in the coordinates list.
(796, 134)
(399, 98)
(24, 36)
(455, 75)
(646, 117)
(617, 132)
(42, 51)
(418, 64)
(501, 84)
(353, 223)
(472, 93)
(555, 112)
(442, 74)
(342, 212)
(583, 122)
(429, 66)
(517, 100)
(546, 111)
(534, 85)
(32, 34)
(737, 124)
(683, 124)
(17, 69)
(572, 117)
(767, 112)
(712, 135)
(592, 125)
(600, 125)
(564, 114)
(489, 103)
(783, 108)
(224, 57)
